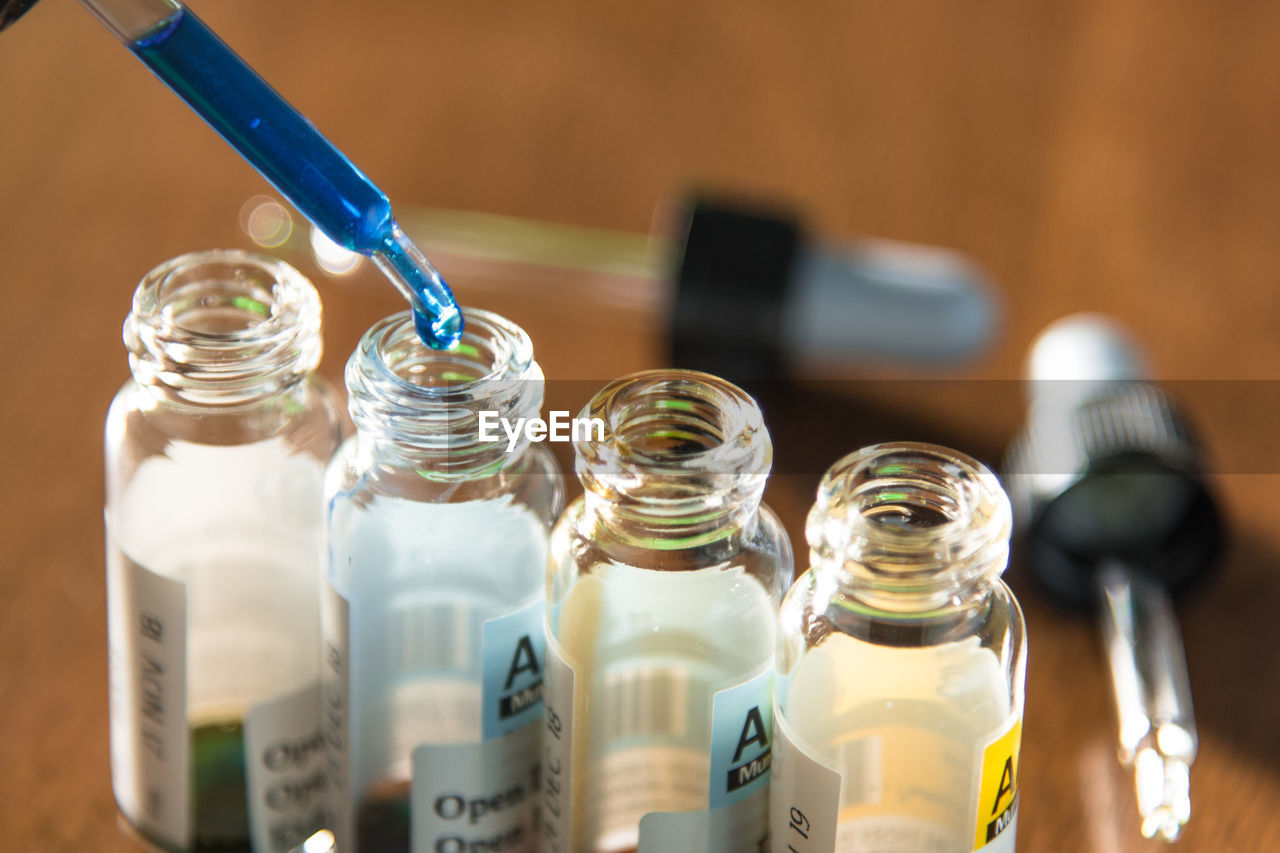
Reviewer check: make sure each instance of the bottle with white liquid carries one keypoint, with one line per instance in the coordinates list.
(215, 455)
(901, 663)
(664, 584)
(432, 616)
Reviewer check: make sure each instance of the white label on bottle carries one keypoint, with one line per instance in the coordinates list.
(804, 806)
(512, 649)
(805, 801)
(477, 796)
(484, 796)
(557, 750)
(286, 774)
(335, 709)
(741, 827)
(150, 740)
(741, 755)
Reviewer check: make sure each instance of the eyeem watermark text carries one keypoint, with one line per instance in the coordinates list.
(560, 427)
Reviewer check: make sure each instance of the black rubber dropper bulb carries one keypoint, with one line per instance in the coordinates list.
(1113, 514)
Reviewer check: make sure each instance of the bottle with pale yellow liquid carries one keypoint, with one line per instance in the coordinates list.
(662, 600)
(901, 664)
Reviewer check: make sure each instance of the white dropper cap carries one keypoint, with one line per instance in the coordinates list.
(1086, 350)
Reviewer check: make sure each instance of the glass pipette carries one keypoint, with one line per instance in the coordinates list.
(1116, 513)
(284, 147)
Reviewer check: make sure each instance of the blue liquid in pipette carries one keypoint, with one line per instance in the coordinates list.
(304, 166)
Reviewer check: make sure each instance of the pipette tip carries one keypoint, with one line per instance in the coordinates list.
(1162, 826)
(1164, 794)
(436, 314)
(442, 331)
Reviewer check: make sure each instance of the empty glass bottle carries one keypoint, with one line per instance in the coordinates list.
(664, 585)
(901, 664)
(433, 613)
(215, 453)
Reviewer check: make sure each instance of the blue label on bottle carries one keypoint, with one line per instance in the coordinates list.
(513, 649)
(741, 740)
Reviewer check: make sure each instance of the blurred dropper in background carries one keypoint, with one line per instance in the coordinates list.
(1114, 515)
(280, 143)
(740, 286)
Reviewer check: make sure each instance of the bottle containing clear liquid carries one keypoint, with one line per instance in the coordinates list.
(215, 455)
(432, 617)
(901, 663)
(664, 585)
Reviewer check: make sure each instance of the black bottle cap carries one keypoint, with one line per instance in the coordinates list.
(12, 10)
(1117, 479)
(734, 268)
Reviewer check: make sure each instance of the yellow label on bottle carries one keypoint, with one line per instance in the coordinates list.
(997, 805)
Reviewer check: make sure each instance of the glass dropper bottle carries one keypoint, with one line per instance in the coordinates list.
(285, 148)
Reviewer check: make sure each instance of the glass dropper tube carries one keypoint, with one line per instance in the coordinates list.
(285, 148)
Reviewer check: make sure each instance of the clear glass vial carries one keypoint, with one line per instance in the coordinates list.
(433, 612)
(663, 589)
(215, 455)
(901, 663)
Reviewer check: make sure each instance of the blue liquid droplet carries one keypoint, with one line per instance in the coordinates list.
(440, 333)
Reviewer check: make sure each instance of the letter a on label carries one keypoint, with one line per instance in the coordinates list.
(512, 647)
(524, 660)
(752, 732)
(998, 788)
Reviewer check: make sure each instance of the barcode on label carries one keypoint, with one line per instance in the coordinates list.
(645, 701)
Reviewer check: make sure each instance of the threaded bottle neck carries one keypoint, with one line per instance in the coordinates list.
(683, 461)
(909, 528)
(421, 407)
(222, 328)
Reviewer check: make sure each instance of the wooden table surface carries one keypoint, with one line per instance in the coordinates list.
(1090, 155)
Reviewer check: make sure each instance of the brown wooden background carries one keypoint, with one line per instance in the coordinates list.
(1091, 155)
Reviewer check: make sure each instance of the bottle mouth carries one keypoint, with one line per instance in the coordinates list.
(910, 518)
(429, 401)
(677, 444)
(223, 327)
